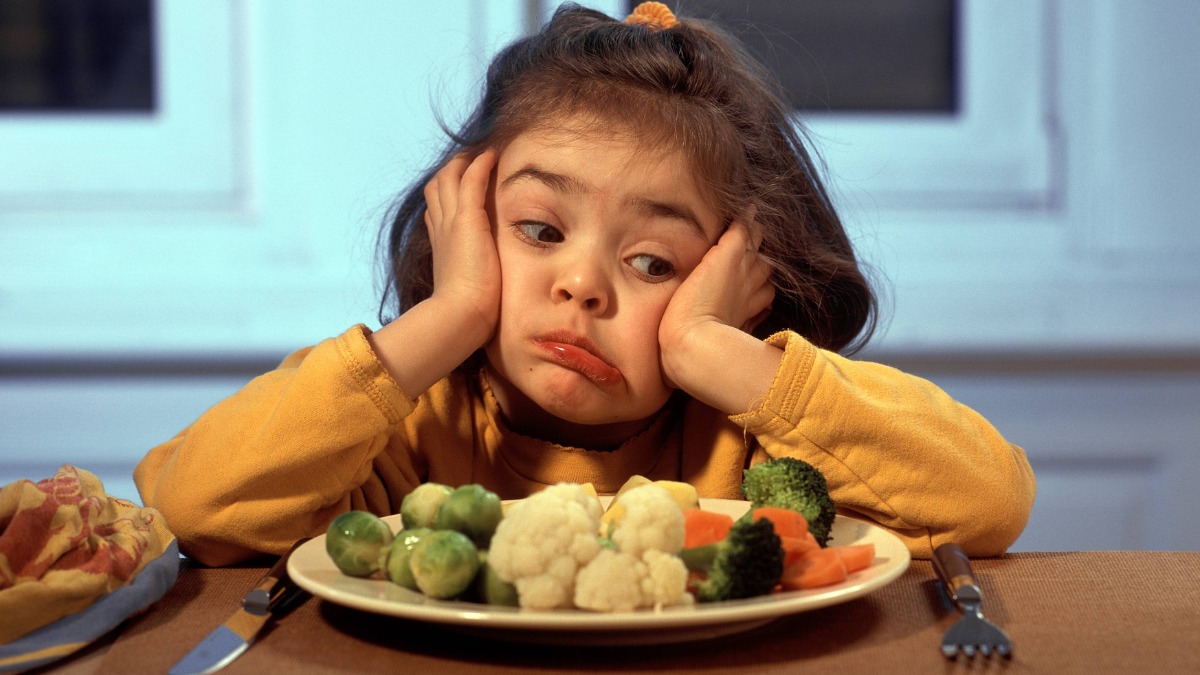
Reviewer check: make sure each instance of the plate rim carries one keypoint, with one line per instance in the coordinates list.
(413, 605)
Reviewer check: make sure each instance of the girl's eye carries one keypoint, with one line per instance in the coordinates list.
(652, 266)
(538, 233)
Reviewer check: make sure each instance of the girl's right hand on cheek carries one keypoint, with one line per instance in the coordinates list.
(466, 267)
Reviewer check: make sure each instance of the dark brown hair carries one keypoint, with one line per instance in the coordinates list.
(691, 87)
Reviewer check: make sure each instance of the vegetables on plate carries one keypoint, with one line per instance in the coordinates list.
(618, 581)
(542, 542)
(397, 568)
(792, 484)
(420, 507)
(472, 510)
(356, 541)
(639, 568)
(652, 521)
(792, 528)
(652, 547)
(684, 494)
(490, 588)
(746, 563)
(705, 527)
(444, 563)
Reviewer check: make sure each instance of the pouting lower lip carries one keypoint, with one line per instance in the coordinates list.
(581, 360)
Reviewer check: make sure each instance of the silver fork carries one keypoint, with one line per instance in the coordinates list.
(972, 633)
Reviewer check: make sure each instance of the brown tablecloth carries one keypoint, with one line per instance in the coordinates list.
(1080, 612)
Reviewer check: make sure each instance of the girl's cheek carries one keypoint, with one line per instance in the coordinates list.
(651, 315)
(509, 249)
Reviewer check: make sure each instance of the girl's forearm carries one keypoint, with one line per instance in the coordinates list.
(280, 457)
(725, 367)
(427, 343)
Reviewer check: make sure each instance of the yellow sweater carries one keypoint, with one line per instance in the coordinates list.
(330, 430)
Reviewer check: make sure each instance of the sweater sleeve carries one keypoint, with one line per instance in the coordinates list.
(896, 449)
(277, 460)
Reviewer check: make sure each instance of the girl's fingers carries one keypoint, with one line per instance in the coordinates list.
(459, 185)
(743, 243)
(465, 264)
(760, 272)
(474, 185)
(736, 234)
(754, 270)
(748, 219)
(747, 230)
(758, 306)
(433, 205)
(448, 180)
(762, 298)
(756, 238)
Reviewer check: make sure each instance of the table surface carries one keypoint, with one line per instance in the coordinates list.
(1093, 611)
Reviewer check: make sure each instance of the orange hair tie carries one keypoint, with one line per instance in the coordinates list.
(653, 15)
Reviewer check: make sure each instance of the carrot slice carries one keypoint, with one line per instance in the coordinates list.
(816, 568)
(788, 523)
(795, 547)
(855, 556)
(701, 527)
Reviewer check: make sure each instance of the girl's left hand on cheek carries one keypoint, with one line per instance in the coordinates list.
(731, 287)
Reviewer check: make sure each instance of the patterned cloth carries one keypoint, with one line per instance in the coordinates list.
(71, 564)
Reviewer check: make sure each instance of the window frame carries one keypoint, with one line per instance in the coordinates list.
(188, 152)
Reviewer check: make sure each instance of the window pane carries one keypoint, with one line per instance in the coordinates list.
(850, 55)
(76, 55)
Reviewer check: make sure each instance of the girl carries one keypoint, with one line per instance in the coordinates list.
(624, 263)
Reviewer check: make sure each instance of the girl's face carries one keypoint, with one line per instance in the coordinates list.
(594, 233)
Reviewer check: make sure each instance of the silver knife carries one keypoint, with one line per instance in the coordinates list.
(230, 639)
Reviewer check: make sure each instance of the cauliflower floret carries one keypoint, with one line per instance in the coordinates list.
(616, 581)
(652, 520)
(611, 582)
(643, 571)
(666, 580)
(542, 542)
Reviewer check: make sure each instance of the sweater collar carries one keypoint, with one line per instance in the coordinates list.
(549, 463)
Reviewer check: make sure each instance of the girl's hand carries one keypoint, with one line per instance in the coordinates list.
(466, 267)
(432, 338)
(724, 298)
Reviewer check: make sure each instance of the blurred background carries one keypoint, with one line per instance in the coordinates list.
(191, 190)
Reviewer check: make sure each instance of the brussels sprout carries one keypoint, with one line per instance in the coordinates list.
(490, 588)
(357, 542)
(473, 510)
(444, 563)
(397, 568)
(420, 506)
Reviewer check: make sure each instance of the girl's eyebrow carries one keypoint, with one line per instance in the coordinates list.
(573, 186)
(659, 209)
(555, 181)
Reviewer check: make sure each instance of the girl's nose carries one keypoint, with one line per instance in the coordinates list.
(583, 284)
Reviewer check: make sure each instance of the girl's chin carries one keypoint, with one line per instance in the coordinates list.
(568, 398)
(576, 405)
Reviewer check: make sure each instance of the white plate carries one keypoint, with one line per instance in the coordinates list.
(314, 571)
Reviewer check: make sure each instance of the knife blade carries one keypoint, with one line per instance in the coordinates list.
(229, 640)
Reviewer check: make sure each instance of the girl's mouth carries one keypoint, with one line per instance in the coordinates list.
(578, 354)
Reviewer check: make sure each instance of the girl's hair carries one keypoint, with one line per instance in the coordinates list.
(688, 87)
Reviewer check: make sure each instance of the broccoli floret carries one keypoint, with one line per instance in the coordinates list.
(747, 563)
(792, 484)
